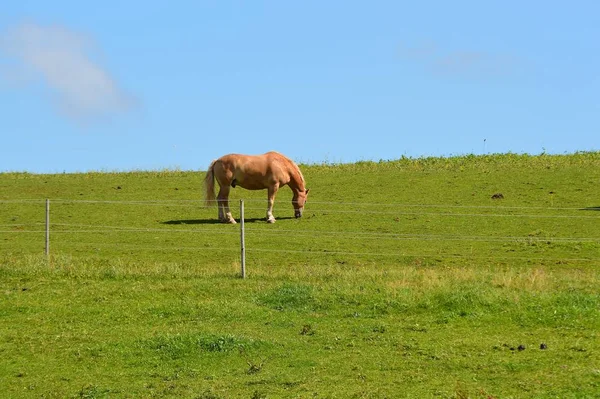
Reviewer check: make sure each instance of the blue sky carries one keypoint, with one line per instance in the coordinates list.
(136, 85)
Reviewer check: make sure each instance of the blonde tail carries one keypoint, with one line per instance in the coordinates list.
(209, 186)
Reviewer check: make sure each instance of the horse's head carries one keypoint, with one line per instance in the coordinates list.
(298, 202)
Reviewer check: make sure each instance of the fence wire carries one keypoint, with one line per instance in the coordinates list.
(385, 209)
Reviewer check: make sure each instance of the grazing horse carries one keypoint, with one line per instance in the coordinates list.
(254, 172)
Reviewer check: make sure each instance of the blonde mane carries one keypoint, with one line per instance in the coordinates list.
(298, 171)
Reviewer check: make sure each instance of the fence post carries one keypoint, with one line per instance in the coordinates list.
(242, 238)
(47, 227)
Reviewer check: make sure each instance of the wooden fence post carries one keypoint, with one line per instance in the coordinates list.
(242, 238)
(47, 227)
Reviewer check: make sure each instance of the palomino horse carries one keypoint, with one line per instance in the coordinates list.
(254, 172)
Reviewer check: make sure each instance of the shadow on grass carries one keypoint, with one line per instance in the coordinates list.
(591, 208)
(193, 221)
(216, 221)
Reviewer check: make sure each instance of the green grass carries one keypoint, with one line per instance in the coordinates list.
(404, 279)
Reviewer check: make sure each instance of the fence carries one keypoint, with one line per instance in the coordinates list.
(419, 223)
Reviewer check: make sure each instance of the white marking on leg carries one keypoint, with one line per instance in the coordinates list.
(271, 200)
(270, 217)
(230, 218)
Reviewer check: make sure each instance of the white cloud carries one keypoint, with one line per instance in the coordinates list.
(84, 90)
(461, 62)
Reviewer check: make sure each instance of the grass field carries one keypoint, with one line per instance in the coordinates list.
(404, 278)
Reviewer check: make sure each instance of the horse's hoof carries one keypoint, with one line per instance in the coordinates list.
(272, 220)
(231, 221)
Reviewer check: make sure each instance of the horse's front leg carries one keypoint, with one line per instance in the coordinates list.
(271, 201)
(223, 200)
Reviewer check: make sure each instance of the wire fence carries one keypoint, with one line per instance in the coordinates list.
(195, 202)
(344, 240)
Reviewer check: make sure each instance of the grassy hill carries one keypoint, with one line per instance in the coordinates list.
(472, 276)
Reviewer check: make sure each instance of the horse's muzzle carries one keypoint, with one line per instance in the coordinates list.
(298, 213)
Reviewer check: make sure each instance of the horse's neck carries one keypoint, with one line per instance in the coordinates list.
(296, 181)
(296, 186)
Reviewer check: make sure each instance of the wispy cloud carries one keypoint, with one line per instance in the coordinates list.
(83, 90)
(467, 63)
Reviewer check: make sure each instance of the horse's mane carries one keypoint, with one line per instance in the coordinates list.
(298, 171)
(294, 166)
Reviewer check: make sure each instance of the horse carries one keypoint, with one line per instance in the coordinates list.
(270, 171)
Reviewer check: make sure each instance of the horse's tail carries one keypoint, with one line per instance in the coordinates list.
(209, 186)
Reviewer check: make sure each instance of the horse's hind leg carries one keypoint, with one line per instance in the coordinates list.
(224, 212)
(221, 214)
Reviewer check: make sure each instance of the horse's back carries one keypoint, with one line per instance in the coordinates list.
(253, 172)
(271, 159)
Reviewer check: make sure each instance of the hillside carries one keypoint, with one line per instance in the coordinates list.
(472, 276)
